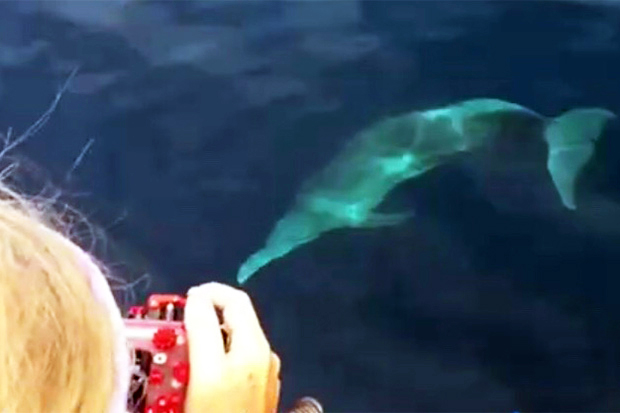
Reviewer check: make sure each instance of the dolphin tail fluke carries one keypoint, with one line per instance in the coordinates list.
(571, 138)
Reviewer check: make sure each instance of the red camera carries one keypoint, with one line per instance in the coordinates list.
(156, 335)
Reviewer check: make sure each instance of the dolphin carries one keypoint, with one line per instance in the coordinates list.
(348, 190)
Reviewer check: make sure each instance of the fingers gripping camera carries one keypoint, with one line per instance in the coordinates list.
(158, 340)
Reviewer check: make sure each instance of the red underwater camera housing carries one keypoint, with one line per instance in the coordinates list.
(157, 337)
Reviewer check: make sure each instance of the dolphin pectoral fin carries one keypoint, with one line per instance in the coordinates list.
(376, 220)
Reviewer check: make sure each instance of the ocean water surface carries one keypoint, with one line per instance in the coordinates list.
(196, 123)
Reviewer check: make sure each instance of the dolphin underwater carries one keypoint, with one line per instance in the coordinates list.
(347, 191)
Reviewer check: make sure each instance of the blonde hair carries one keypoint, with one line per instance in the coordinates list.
(56, 341)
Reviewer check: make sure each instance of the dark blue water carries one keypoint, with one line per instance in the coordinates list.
(206, 117)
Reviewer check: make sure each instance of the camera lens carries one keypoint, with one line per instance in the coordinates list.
(307, 405)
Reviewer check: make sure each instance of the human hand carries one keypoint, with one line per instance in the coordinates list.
(241, 376)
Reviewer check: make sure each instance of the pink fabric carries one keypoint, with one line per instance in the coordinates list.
(122, 362)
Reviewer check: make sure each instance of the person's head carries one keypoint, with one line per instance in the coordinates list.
(58, 323)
